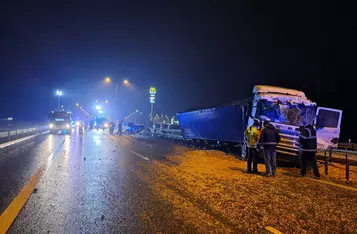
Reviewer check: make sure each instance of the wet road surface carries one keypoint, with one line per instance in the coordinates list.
(90, 183)
(98, 183)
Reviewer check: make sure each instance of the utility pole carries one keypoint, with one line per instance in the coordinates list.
(58, 94)
(116, 102)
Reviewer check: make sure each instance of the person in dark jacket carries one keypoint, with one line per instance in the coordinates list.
(308, 149)
(120, 127)
(269, 137)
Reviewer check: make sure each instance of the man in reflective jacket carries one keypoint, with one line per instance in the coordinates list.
(308, 149)
(269, 137)
(251, 135)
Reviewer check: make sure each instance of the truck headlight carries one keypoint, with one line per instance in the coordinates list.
(105, 125)
(68, 125)
(50, 126)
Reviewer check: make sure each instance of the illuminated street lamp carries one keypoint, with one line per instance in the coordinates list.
(58, 94)
(106, 101)
(77, 104)
(109, 80)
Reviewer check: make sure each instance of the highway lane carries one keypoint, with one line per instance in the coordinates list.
(91, 183)
(19, 162)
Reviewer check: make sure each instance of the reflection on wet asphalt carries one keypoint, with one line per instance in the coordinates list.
(19, 162)
(91, 185)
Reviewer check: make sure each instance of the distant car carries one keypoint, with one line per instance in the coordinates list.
(135, 128)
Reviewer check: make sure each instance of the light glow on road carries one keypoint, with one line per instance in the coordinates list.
(50, 144)
(96, 140)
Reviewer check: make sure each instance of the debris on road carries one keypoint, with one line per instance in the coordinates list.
(213, 192)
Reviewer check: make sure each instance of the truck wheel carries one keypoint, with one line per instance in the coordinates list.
(244, 150)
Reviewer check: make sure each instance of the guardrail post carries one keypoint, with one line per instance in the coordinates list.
(17, 134)
(347, 168)
(9, 136)
(330, 154)
(326, 164)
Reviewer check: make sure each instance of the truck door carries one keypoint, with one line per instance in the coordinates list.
(328, 123)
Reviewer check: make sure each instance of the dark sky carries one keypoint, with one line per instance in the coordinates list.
(196, 53)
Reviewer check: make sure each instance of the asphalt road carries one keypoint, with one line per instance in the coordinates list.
(87, 183)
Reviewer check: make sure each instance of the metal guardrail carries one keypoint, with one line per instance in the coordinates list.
(345, 159)
(347, 146)
(10, 135)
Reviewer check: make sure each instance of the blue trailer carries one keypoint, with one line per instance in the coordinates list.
(223, 124)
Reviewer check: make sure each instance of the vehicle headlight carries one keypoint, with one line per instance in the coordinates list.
(51, 125)
(105, 125)
(68, 125)
(77, 123)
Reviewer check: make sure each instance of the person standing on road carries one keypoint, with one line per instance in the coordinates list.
(269, 137)
(308, 149)
(251, 135)
(120, 127)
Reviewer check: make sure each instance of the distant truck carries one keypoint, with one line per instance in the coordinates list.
(101, 122)
(286, 109)
(60, 122)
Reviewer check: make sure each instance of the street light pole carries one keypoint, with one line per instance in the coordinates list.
(125, 82)
(59, 94)
(116, 102)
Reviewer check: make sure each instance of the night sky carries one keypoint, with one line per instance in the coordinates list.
(196, 53)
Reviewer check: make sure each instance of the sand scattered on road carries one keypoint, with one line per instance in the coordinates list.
(211, 191)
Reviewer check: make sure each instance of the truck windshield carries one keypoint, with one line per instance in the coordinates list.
(286, 113)
(59, 117)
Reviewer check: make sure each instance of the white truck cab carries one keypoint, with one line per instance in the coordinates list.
(287, 109)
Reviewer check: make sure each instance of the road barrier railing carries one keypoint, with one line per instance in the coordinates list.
(14, 134)
(345, 157)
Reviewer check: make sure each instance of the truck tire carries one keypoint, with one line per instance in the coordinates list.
(244, 149)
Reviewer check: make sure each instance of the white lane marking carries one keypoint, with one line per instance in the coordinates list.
(139, 155)
(20, 140)
(149, 145)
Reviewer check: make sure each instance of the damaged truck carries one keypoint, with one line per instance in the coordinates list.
(286, 109)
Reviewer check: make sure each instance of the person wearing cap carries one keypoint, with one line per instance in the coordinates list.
(269, 138)
(308, 149)
(251, 135)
